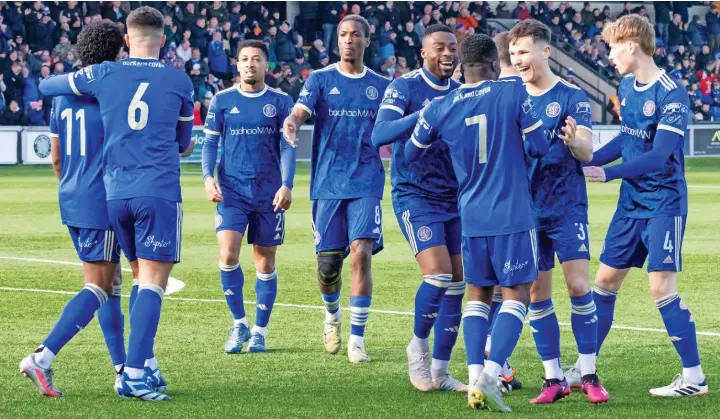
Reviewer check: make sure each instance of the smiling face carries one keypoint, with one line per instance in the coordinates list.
(529, 57)
(440, 52)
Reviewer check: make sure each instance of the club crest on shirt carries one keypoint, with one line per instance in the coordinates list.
(649, 108)
(269, 110)
(424, 233)
(552, 110)
(371, 92)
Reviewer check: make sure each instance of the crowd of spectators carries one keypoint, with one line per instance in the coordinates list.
(36, 40)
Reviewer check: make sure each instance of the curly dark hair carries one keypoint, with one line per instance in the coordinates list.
(478, 48)
(99, 42)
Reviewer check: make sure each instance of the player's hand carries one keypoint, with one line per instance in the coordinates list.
(283, 198)
(290, 131)
(594, 174)
(212, 190)
(569, 131)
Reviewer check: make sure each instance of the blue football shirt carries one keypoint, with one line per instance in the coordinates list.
(141, 101)
(660, 105)
(77, 124)
(483, 125)
(557, 183)
(248, 126)
(344, 163)
(428, 185)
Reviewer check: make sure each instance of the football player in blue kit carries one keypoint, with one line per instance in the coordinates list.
(146, 110)
(252, 192)
(487, 125)
(346, 179)
(77, 136)
(424, 198)
(649, 222)
(559, 196)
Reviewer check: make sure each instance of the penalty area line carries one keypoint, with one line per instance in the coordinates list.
(298, 306)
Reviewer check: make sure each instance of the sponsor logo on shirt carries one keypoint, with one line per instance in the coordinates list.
(635, 132)
(510, 267)
(253, 131)
(371, 92)
(552, 110)
(151, 242)
(353, 113)
(269, 110)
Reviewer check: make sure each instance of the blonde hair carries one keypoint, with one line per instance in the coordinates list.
(633, 28)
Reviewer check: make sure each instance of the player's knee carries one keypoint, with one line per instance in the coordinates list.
(228, 257)
(265, 264)
(661, 286)
(330, 267)
(361, 252)
(577, 286)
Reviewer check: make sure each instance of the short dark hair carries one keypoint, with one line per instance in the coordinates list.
(254, 43)
(437, 27)
(146, 18)
(356, 18)
(478, 48)
(503, 46)
(99, 42)
(532, 28)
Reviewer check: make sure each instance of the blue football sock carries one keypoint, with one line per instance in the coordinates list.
(265, 293)
(359, 311)
(112, 324)
(427, 302)
(681, 328)
(545, 328)
(332, 302)
(605, 305)
(133, 296)
(506, 332)
(232, 280)
(75, 316)
(475, 331)
(448, 324)
(144, 321)
(583, 319)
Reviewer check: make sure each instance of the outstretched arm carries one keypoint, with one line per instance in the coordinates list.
(390, 125)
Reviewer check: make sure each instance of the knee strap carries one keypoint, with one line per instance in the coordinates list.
(330, 267)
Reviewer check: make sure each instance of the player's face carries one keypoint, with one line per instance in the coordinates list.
(252, 65)
(529, 58)
(621, 56)
(352, 41)
(440, 52)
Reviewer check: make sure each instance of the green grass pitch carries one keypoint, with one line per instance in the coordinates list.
(296, 378)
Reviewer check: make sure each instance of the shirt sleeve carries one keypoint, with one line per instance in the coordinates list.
(309, 94)
(188, 93)
(87, 81)
(579, 109)
(528, 115)
(54, 132)
(214, 121)
(397, 97)
(674, 113)
(287, 152)
(424, 133)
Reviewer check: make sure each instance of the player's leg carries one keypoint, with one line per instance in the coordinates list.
(95, 248)
(494, 308)
(230, 225)
(480, 278)
(151, 361)
(664, 241)
(266, 233)
(450, 315)
(330, 235)
(157, 224)
(364, 229)
(112, 324)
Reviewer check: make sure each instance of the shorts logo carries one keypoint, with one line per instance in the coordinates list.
(151, 242)
(86, 244)
(424, 233)
(510, 268)
(117, 249)
(371, 92)
(316, 236)
(649, 108)
(41, 145)
(552, 110)
(269, 110)
(218, 220)
(668, 260)
(583, 248)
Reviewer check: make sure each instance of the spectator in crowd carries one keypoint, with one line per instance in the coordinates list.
(15, 83)
(291, 84)
(588, 16)
(627, 10)
(663, 14)
(521, 11)
(314, 54)
(184, 51)
(465, 20)
(712, 19)
(197, 69)
(696, 34)
(409, 45)
(218, 55)
(200, 37)
(299, 65)
(676, 33)
(11, 114)
(285, 43)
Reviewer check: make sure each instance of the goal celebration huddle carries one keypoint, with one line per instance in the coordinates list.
(491, 152)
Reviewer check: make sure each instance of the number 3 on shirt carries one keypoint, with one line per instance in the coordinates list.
(135, 105)
(481, 121)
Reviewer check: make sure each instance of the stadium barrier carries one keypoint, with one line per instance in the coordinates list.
(31, 145)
